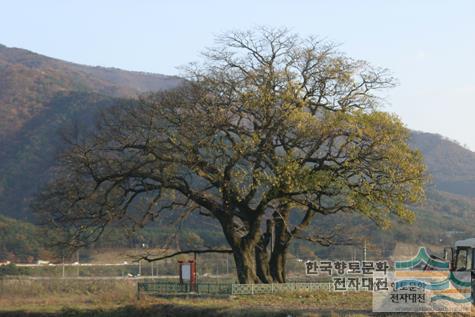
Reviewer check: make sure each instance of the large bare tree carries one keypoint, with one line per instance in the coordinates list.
(268, 129)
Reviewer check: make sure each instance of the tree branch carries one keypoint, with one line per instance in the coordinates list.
(148, 259)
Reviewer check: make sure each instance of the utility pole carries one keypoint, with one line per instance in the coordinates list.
(227, 263)
(77, 256)
(364, 250)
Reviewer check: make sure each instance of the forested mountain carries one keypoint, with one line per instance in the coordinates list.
(40, 96)
(28, 81)
(452, 166)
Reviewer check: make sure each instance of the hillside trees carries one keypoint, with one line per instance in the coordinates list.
(268, 132)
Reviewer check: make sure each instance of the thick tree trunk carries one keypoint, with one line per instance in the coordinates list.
(262, 255)
(277, 264)
(281, 243)
(245, 265)
(263, 265)
(243, 252)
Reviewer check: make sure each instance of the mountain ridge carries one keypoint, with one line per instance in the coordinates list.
(45, 93)
(29, 80)
(452, 166)
(13, 53)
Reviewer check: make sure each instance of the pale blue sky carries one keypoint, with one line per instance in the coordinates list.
(428, 45)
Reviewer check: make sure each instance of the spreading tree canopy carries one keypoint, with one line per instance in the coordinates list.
(269, 127)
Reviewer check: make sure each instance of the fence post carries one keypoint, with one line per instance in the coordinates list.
(252, 288)
(138, 290)
(272, 288)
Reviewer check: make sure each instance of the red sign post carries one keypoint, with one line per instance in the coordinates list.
(187, 272)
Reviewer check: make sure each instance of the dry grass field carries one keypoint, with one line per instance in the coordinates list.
(117, 298)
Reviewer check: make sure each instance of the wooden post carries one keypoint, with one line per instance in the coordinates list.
(193, 275)
(180, 263)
